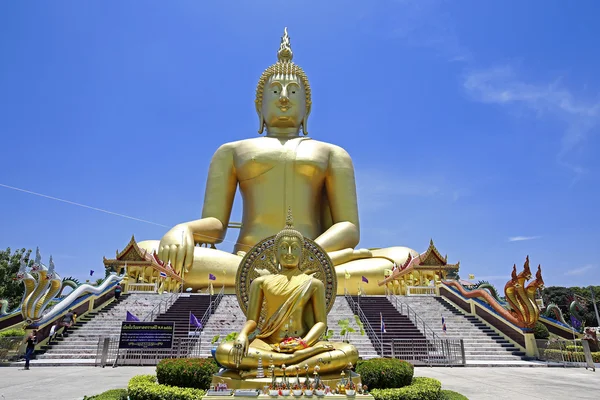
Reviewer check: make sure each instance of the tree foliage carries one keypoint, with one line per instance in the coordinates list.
(563, 296)
(11, 289)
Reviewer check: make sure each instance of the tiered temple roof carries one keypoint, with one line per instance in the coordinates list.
(134, 256)
(430, 260)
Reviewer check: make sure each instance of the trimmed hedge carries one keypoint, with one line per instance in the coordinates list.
(421, 388)
(145, 387)
(384, 373)
(186, 372)
(572, 356)
(451, 395)
(13, 332)
(114, 394)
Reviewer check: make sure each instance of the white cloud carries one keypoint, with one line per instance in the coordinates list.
(522, 238)
(581, 270)
(500, 85)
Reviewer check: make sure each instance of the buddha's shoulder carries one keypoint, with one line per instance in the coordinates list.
(332, 148)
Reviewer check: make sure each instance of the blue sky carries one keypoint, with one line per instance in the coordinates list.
(472, 123)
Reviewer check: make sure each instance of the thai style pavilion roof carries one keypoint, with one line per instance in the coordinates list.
(132, 255)
(430, 259)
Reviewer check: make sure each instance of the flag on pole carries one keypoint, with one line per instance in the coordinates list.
(347, 274)
(194, 321)
(212, 277)
(163, 274)
(471, 276)
(575, 323)
(443, 324)
(131, 318)
(382, 323)
(364, 279)
(91, 272)
(212, 291)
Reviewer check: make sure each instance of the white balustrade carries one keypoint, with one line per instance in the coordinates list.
(420, 291)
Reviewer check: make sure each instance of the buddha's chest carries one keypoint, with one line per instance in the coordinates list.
(257, 158)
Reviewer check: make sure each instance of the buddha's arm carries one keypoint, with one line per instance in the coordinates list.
(242, 343)
(317, 302)
(220, 190)
(341, 192)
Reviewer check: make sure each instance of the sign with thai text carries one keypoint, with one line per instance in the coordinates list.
(146, 335)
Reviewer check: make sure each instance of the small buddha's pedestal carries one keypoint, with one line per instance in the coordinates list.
(233, 381)
(292, 397)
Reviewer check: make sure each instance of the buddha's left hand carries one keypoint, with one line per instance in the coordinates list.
(290, 345)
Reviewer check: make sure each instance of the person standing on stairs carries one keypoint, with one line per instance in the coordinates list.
(118, 290)
(31, 341)
(67, 321)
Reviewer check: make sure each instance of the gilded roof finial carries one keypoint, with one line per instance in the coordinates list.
(289, 220)
(289, 230)
(285, 48)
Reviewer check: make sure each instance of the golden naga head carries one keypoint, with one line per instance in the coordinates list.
(283, 96)
(289, 243)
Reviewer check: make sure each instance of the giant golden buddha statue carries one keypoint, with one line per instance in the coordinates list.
(286, 313)
(274, 172)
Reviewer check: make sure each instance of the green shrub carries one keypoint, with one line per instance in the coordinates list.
(12, 332)
(383, 373)
(540, 331)
(571, 347)
(571, 356)
(450, 395)
(145, 387)
(186, 372)
(114, 394)
(420, 389)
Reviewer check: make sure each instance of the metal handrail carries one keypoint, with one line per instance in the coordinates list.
(414, 317)
(161, 307)
(368, 328)
(212, 306)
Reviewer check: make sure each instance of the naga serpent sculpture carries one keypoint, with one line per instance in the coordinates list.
(554, 311)
(3, 307)
(524, 311)
(39, 292)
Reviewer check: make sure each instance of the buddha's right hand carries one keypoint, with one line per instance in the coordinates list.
(177, 246)
(240, 349)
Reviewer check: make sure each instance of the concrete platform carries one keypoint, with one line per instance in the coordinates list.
(72, 383)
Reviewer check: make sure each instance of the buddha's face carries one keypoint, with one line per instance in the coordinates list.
(289, 252)
(284, 102)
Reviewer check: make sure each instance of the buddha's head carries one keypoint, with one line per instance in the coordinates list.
(288, 245)
(283, 100)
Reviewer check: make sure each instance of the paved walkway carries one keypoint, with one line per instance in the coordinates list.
(72, 383)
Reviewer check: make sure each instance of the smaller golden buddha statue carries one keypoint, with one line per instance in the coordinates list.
(286, 317)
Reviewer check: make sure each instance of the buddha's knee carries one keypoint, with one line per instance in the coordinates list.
(222, 354)
(350, 351)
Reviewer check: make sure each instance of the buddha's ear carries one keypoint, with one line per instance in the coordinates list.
(304, 122)
(261, 121)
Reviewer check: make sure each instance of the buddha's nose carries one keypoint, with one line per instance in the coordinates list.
(284, 100)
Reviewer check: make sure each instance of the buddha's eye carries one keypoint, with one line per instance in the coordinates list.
(293, 92)
(275, 91)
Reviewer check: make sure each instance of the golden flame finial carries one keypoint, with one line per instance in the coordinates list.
(289, 230)
(285, 48)
(289, 220)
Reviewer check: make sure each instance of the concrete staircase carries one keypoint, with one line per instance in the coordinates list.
(82, 342)
(482, 344)
(229, 318)
(341, 310)
(397, 325)
(179, 313)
